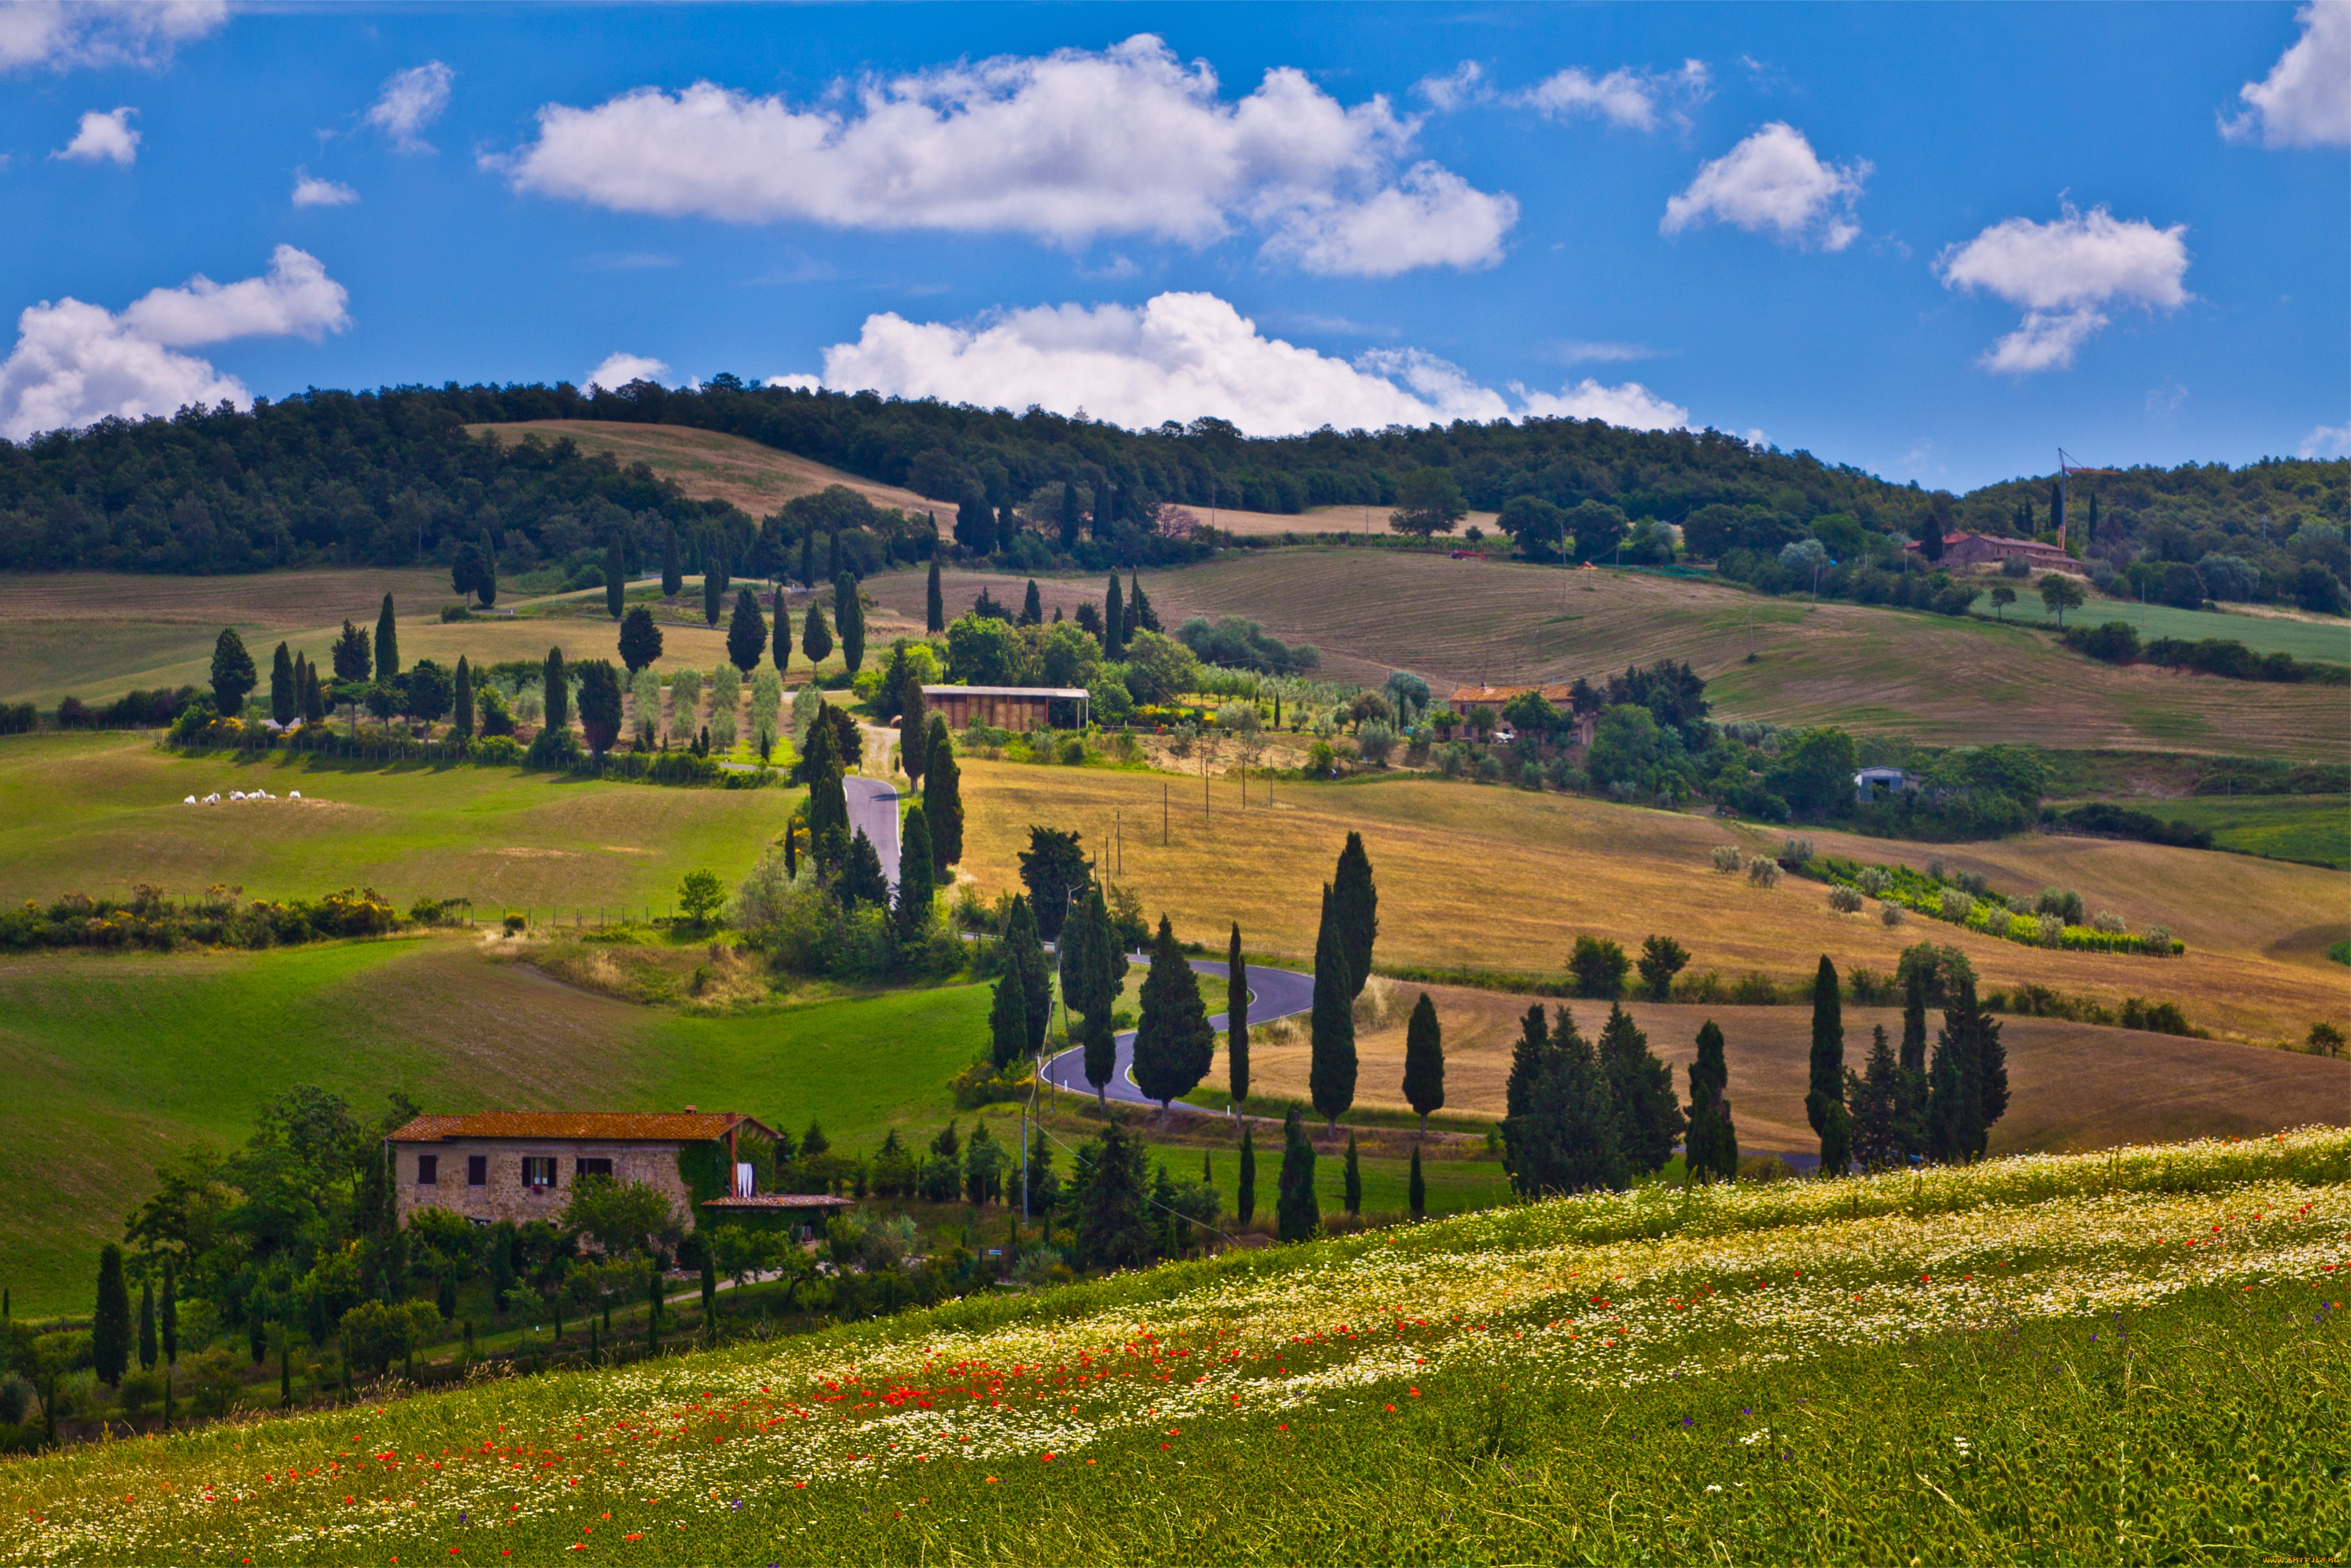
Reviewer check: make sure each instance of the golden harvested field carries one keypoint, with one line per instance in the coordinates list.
(712, 466)
(1316, 520)
(2075, 1086)
(1475, 876)
(1938, 680)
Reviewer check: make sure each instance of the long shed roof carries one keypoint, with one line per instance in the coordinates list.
(582, 1126)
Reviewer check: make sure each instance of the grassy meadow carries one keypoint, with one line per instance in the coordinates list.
(2313, 828)
(1929, 677)
(2317, 640)
(2125, 1357)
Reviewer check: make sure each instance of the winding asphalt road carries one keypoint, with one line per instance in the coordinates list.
(873, 811)
(1273, 994)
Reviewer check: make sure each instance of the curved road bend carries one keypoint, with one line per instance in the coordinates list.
(873, 812)
(1273, 994)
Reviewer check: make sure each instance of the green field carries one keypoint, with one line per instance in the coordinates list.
(2019, 1361)
(95, 812)
(2322, 642)
(2313, 828)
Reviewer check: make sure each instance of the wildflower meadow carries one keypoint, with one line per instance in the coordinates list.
(2138, 1355)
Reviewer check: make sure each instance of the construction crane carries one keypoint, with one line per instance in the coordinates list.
(2066, 469)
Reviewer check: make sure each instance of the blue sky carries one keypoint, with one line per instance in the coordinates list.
(1933, 241)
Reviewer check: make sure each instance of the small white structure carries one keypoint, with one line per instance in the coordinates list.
(294, 794)
(1893, 781)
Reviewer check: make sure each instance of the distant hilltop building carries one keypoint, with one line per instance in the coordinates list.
(1987, 549)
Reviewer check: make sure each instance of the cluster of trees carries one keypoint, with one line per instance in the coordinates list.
(1579, 1115)
(1904, 1107)
(2117, 642)
(217, 918)
(1116, 655)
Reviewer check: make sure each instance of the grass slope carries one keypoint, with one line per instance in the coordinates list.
(1932, 678)
(2019, 1361)
(2312, 828)
(2319, 640)
(711, 466)
(1475, 876)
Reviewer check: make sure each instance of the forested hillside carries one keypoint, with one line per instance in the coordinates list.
(390, 477)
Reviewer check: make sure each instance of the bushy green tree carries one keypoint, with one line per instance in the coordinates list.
(816, 637)
(1008, 1021)
(1331, 1067)
(1662, 958)
(747, 632)
(1054, 868)
(1172, 1042)
(1599, 966)
(1424, 1061)
(1428, 501)
(233, 673)
(1297, 1213)
(1874, 1098)
(1643, 1088)
(600, 703)
(1106, 1197)
(641, 638)
(1711, 1145)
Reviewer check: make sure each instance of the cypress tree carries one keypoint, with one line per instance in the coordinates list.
(816, 637)
(807, 556)
(1355, 906)
(1032, 606)
(849, 615)
(1113, 621)
(147, 1326)
(461, 717)
(284, 699)
(616, 579)
(1642, 1087)
(1825, 1098)
(486, 581)
(1008, 1021)
(913, 726)
(168, 1313)
(746, 634)
(709, 1295)
(1297, 1215)
(1069, 517)
(1424, 1060)
(1910, 1066)
(917, 888)
(935, 603)
(1711, 1147)
(1139, 616)
(943, 798)
(1871, 1097)
(673, 573)
(387, 642)
(314, 695)
(1415, 1190)
(233, 674)
(1244, 1185)
(555, 692)
(1237, 1021)
(1025, 954)
(1092, 973)
(1330, 1070)
(714, 583)
(832, 554)
(781, 649)
(1172, 1042)
(1528, 1060)
(110, 1323)
(1353, 1180)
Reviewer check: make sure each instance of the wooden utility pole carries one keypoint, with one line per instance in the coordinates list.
(1163, 816)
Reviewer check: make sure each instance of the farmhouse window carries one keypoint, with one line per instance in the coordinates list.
(477, 1170)
(428, 1170)
(588, 1167)
(538, 1172)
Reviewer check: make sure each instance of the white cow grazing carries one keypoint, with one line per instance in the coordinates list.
(212, 799)
(236, 794)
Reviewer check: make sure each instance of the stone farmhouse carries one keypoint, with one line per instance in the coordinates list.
(1965, 550)
(520, 1166)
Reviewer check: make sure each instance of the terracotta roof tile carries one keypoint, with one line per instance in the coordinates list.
(597, 1126)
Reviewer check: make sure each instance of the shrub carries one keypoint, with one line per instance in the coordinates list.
(1727, 859)
(1322, 762)
(1490, 769)
(1891, 913)
(1957, 906)
(1599, 966)
(2325, 1040)
(2158, 941)
(1763, 872)
(1797, 853)
(1755, 989)
(1873, 880)
(2051, 930)
(1845, 901)
(1375, 742)
(2107, 920)
(2057, 901)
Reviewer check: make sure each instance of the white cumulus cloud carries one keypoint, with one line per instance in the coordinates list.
(63, 34)
(2327, 441)
(1774, 184)
(2064, 274)
(1180, 356)
(2305, 100)
(619, 369)
(75, 363)
(1067, 147)
(410, 101)
(312, 192)
(103, 139)
(1633, 99)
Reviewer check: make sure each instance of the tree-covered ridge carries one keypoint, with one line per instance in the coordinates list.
(391, 476)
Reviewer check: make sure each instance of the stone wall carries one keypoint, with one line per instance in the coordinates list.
(502, 1194)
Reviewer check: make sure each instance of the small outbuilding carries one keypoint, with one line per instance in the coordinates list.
(1007, 707)
(1892, 780)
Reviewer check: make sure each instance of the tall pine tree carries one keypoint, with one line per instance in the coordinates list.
(1650, 1120)
(1236, 1019)
(485, 577)
(1172, 1042)
(913, 726)
(1297, 1215)
(1872, 1096)
(1113, 620)
(1355, 905)
(779, 626)
(1024, 953)
(1331, 1068)
(849, 618)
(1825, 1097)
(816, 637)
(1008, 1021)
(387, 642)
(110, 1323)
(285, 701)
(1424, 1061)
(941, 798)
(935, 602)
(1711, 1145)
(746, 634)
(616, 579)
(673, 573)
(555, 690)
(911, 919)
(1032, 607)
(461, 717)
